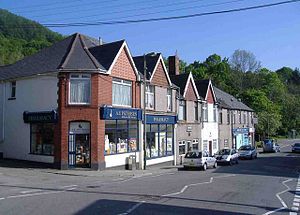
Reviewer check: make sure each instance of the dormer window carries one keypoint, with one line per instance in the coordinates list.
(182, 110)
(150, 97)
(122, 93)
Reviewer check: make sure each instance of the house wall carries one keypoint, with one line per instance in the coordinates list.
(32, 94)
(224, 130)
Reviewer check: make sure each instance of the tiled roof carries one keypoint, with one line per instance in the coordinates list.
(228, 101)
(151, 61)
(76, 52)
(202, 86)
(180, 81)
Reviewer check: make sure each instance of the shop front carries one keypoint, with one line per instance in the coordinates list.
(122, 138)
(241, 137)
(159, 138)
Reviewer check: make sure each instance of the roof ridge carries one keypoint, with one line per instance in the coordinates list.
(67, 58)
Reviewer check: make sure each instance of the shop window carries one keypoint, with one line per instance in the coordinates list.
(181, 147)
(195, 146)
(215, 144)
(150, 97)
(196, 111)
(121, 136)
(42, 139)
(204, 112)
(80, 89)
(182, 110)
(121, 92)
(159, 140)
(169, 99)
(13, 87)
(205, 145)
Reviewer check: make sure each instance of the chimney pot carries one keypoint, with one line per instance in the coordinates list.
(173, 65)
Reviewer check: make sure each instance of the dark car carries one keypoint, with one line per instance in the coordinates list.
(270, 145)
(296, 147)
(248, 152)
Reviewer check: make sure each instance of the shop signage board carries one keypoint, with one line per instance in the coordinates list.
(240, 130)
(160, 119)
(120, 113)
(79, 128)
(40, 117)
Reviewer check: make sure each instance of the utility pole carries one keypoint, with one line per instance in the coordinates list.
(144, 110)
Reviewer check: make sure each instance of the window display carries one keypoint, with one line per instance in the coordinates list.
(121, 136)
(42, 139)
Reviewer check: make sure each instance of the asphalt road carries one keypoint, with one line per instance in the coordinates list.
(266, 185)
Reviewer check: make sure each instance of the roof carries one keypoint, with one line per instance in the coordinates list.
(180, 81)
(76, 52)
(228, 101)
(202, 86)
(151, 61)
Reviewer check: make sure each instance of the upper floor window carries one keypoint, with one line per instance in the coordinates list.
(204, 112)
(196, 111)
(240, 117)
(121, 92)
(233, 118)
(228, 117)
(13, 87)
(169, 99)
(182, 110)
(150, 97)
(80, 89)
(215, 113)
(245, 117)
(220, 117)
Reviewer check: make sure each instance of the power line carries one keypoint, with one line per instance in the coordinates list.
(173, 17)
(117, 22)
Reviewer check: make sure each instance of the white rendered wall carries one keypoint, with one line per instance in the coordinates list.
(119, 159)
(159, 160)
(34, 94)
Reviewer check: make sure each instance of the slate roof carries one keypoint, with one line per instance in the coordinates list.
(202, 86)
(180, 81)
(76, 52)
(228, 101)
(151, 61)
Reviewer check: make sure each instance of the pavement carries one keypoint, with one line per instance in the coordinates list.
(267, 185)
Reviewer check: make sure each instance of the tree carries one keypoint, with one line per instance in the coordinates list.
(244, 61)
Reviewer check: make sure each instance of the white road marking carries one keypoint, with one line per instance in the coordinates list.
(296, 200)
(30, 191)
(2, 198)
(200, 183)
(293, 213)
(296, 204)
(281, 201)
(295, 208)
(73, 185)
(133, 208)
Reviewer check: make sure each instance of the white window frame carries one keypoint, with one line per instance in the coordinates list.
(181, 143)
(196, 111)
(205, 112)
(195, 142)
(169, 99)
(80, 77)
(182, 103)
(215, 144)
(205, 142)
(149, 94)
(215, 113)
(119, 81)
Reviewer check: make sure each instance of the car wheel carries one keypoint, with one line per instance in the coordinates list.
(215, 165)
(204, 167)
(230, 163)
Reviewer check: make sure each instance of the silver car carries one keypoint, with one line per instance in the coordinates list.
(229, 156)
(247, 152)
(199, 159)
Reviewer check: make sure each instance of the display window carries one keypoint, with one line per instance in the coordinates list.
(159, 140)
(121, 136)
(42, 138)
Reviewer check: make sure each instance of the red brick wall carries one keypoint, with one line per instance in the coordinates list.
(160, 78)
(190, 93)
(210, 97)
(123, 67)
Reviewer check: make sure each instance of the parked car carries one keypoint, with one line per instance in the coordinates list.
(270, 145)
(248, 152)
(199, 159)
(228, 156)
(296, 147)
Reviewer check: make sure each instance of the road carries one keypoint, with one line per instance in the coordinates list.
(266, 185)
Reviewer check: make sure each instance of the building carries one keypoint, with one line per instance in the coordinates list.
(188, 132)
(160, 108)
(209, 132)
(236, 121)
(74, 104)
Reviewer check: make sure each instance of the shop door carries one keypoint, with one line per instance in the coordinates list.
(210, 148)
(79, 150)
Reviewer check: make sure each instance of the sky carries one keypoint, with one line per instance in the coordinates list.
(272, 34)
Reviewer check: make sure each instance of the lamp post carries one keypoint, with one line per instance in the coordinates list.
(144, 110)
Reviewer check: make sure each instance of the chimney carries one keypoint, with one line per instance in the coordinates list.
(173, 65)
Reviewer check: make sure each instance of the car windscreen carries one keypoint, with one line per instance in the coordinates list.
(245, 148)
(267, 141)
(297, 144)
(193, 155)
(224, 152)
